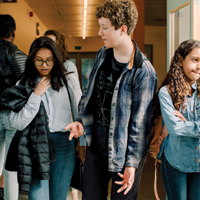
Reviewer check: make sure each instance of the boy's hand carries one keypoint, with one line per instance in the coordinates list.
(42, 86)
(76, 129)
(128, 179)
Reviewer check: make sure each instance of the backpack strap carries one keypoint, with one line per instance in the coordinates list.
(155, 181)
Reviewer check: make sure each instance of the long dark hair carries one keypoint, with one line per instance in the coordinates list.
(58, 71)
(61, 44)
(176, 80)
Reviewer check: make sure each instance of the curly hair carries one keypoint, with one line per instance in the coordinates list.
(119, 12)
(60, 41)
(176, 80)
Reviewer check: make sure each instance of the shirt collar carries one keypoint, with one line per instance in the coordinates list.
(194, 86)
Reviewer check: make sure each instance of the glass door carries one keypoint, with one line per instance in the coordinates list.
(84, 63)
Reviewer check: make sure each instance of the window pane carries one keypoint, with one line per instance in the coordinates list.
(87, 65)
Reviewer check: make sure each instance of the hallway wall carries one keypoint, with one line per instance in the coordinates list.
(157, 36)
(87, 45)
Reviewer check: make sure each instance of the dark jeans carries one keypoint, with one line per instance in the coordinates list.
(180, 185)
(96, 178)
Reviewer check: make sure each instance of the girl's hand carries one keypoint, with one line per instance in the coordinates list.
(42, 87)
(178, 114)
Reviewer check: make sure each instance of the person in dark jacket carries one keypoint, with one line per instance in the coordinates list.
(12, 64)
(31, 149)
(115, 108)
(60, 93)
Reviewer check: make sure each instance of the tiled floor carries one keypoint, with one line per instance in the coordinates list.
(146, 191)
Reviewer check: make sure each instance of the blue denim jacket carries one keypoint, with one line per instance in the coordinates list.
(181, 147)
(130, 120)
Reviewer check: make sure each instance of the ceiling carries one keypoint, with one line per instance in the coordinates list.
(66, 16)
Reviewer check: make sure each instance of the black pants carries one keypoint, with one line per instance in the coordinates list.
(96, 178)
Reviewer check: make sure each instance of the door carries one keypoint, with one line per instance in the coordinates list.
(183, 22)
(84, 63)
(179, 25)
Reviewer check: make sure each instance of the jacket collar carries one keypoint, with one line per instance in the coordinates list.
(7, 42)
(135, 59)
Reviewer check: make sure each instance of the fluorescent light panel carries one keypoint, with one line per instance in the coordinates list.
(84, 18)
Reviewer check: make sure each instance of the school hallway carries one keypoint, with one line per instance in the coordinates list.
(146, 191)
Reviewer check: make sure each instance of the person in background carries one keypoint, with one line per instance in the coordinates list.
(59, 39)
(12, 64)
(115, 108)
(178, 99)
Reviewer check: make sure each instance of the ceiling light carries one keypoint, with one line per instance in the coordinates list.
(84, 17)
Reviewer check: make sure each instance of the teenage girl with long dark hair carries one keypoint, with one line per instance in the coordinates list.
(46, 75)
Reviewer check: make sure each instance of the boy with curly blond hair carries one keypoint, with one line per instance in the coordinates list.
(115, 108)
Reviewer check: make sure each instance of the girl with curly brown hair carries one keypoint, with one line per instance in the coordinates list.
(178, 99)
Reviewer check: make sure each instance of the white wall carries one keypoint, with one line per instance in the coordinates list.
(157, 36)
(25, 25)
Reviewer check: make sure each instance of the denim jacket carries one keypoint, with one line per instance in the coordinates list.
(182, 146)
(130, 120)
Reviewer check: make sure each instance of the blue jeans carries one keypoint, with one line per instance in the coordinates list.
(6, 135)
(61, 171)
(180, 185)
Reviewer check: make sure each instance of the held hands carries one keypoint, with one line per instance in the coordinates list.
(128, 179)
(76, 129)
(178, 114)
(42, 86)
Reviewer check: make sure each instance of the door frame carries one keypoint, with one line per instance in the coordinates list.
(196, 19)
(170, 37)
